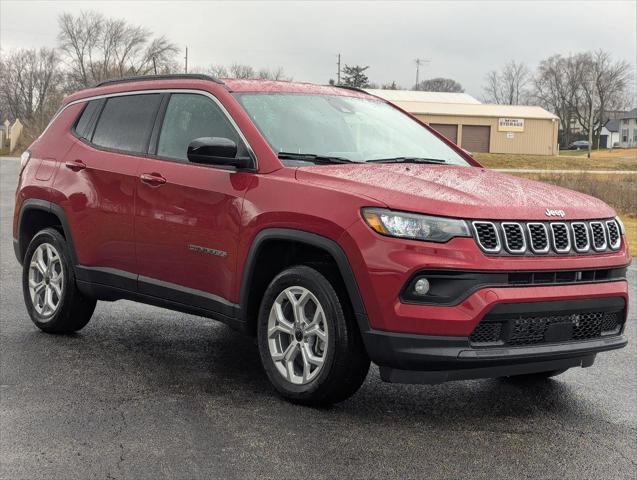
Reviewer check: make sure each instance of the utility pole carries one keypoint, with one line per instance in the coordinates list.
(186, 60)
(419, 62)
(590, 119)
(338, 73)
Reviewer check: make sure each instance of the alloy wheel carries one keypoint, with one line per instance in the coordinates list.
(46, 280)
(297, 335)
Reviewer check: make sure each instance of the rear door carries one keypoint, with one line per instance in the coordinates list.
(188, 216)
(99, 178)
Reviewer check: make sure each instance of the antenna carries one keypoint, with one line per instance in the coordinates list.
(419, 62)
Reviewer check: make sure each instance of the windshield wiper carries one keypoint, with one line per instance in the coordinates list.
(407, 160)
(312, 157)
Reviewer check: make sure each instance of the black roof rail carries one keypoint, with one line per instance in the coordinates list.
(142, 78)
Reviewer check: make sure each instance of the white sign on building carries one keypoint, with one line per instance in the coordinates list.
(510, 125)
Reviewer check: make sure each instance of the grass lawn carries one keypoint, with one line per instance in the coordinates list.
(602, 153)
(625, 159)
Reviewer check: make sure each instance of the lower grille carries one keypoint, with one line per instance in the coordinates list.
(537, 329)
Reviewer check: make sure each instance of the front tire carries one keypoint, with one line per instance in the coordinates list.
(310, 348)
(53, 301)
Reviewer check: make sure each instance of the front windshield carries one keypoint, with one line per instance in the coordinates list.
(354, 129)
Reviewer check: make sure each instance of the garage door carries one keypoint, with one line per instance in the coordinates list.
(475, 138)
(449, 131)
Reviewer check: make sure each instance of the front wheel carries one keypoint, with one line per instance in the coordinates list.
(310, 348)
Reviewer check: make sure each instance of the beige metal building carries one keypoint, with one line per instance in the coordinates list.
(479, 127)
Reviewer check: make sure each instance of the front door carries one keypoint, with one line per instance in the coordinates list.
(188, 216)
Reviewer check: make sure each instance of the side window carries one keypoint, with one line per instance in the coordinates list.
(189, 116)
(126, 122)
(83, 124)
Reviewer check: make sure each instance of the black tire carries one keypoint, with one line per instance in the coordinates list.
(74, 310)
(535, 377)
(345, 364)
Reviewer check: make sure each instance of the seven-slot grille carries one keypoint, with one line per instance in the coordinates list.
(561, 238)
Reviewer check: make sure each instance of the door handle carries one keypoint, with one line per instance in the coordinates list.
(152, 179)
(75, 165)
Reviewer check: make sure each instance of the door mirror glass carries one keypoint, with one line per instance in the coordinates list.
(216, 151)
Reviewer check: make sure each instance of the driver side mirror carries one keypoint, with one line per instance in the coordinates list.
(216, 151)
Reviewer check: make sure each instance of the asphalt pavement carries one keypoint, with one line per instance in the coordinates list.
(146, 393)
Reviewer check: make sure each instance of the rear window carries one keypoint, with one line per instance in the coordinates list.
(83, 124)
(126, 122)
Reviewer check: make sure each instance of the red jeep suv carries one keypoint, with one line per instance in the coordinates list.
(327, 222)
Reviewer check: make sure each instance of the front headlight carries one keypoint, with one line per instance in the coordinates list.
(415, 226)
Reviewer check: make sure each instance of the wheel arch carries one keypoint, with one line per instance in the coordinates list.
(252, 287)
(35, 215)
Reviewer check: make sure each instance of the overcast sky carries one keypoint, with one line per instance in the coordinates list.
(462, 40)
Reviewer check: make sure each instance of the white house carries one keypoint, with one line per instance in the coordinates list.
(609, 135)
(628, 129)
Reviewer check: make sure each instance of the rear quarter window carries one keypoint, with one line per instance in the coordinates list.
(126, 122)
(83, 124)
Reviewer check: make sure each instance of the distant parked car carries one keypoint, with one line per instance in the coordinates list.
(579, 145)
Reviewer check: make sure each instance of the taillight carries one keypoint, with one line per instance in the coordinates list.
(24, 158)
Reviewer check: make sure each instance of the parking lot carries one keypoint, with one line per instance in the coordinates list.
(143, 392)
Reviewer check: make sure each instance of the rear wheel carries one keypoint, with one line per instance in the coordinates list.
(51, 296)
(311, 350)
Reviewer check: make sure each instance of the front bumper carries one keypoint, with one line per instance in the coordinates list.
(405, 358)
(409, 358)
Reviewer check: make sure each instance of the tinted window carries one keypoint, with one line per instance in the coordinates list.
(84, 122)
(189, 116)
(126, 122)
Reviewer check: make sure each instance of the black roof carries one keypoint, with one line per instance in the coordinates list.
(612, 125)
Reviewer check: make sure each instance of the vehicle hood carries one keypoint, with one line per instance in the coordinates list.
(454, 191)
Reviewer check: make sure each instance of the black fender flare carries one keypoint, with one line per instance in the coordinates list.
(318, 241)
(49, 207)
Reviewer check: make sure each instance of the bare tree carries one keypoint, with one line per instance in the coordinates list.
(439, 85)
(96, 48)
(30, 86)
(79, 38)
(509, 86)
(555, 90)
(218, 71)
(603, 86)
(576, 85)
(273, 74)
(238, 70)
